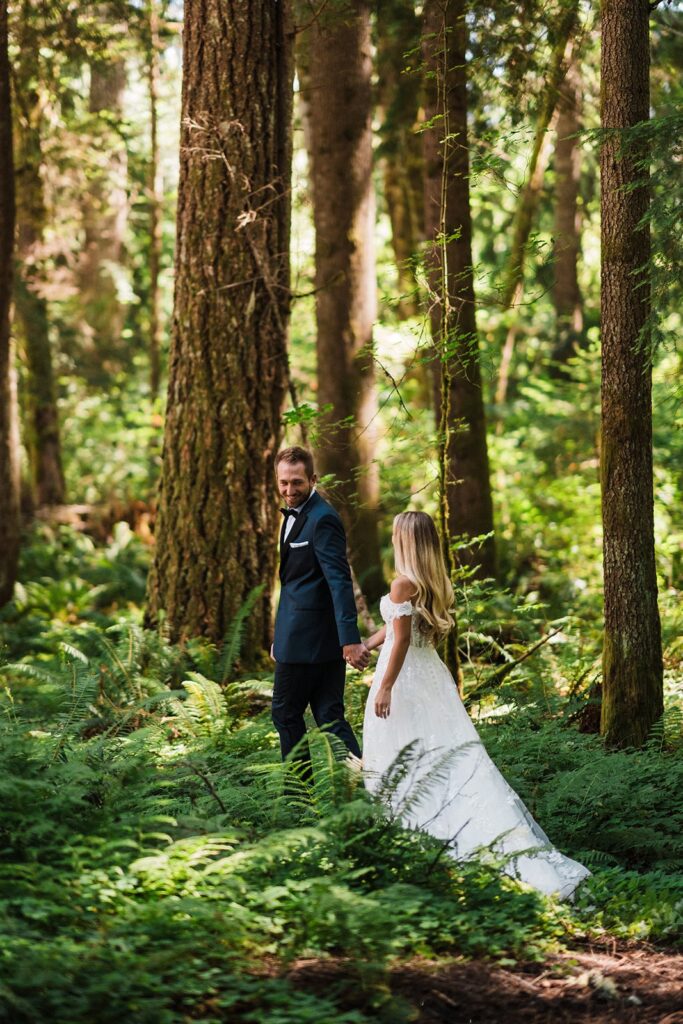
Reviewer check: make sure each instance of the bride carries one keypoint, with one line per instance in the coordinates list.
(421, 752)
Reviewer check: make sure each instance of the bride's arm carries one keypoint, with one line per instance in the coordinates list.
(376, 640)
(399, 649)
(401, 590)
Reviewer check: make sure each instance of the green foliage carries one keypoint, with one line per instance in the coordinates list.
(149, 881)
(613, 808)
(71, 582)
(112, 451)
(203, 712)
(149, 861)
(633, 906)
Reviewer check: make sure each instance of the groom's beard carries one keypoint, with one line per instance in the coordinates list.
(301, 499)
(304, 498)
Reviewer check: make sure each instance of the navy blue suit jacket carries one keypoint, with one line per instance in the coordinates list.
(317, 614)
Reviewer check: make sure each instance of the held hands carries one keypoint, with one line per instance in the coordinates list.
(356, 655)
(383, 702)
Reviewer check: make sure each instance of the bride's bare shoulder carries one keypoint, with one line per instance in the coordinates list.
(402, 589)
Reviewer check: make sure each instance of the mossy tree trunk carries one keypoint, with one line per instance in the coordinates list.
(399, 88)
(567, 240)
(216, 530)
(105, 215)
(9, 462)
(632, 656)
(42, 419)
(338, 53)
(467, 510)
(42, 432)
(155, 199)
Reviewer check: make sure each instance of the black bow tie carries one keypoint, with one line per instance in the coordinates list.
(289, 512)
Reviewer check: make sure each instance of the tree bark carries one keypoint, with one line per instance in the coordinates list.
(400, 151)
(632, 656)
(340, 106)
(43, 440)
(9, 462)
(467, 509)
(567, 244)
(155, 197)
(228, 363)
(105, 213)
(42, 428)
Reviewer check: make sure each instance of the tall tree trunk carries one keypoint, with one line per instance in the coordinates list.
(155, 197)
(513, 284)
(340, 105)
(467, 509)
(9, 462)
(398, 28)
(567, 245)
(42, 428)
(540, 154)
(105, 213)
(228, 362)
(632, 655)
(43, 439)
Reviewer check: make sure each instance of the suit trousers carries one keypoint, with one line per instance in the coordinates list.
(322, 686)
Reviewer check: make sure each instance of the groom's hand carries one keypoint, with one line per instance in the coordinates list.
(356, 655)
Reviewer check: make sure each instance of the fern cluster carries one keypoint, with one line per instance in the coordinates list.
(150, 861)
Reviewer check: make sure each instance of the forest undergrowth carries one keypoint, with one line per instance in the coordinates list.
(152, 871)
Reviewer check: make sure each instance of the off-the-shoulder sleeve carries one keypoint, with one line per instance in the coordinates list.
(397, 611)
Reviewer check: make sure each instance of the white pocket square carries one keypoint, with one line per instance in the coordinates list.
(299, 544)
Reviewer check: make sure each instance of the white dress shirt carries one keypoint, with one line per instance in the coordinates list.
(289, 522)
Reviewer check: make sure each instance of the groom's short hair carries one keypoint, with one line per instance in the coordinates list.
(296, 454)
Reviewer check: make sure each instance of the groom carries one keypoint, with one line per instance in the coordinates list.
(316, 632)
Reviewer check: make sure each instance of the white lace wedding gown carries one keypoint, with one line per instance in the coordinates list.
(428, 764)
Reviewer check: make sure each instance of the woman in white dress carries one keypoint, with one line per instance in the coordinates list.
(421, 752)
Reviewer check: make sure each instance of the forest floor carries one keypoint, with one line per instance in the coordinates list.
(614, 982)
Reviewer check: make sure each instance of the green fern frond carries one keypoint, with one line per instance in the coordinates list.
(77, 704)
(73, 652)
(232, 641)
(37, 672)
(203, 711)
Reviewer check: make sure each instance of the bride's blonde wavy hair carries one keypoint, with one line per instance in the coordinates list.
(419, 557)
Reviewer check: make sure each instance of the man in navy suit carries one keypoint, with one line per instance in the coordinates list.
(316, 629)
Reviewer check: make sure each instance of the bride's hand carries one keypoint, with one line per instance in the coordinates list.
(383, 703)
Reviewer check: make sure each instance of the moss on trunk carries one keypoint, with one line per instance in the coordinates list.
(9, 461)
(632, 657)
(338, 53)
(466, 488)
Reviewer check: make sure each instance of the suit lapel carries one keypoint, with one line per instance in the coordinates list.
(295, 531)
(296, 528)
(293, 534)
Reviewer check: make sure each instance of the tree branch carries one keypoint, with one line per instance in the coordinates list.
(500, 674)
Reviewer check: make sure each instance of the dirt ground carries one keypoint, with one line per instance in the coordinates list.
(601, 985)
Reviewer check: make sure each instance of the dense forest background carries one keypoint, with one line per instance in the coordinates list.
(440, 244)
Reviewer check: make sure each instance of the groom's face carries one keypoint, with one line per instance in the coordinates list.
(293, 484)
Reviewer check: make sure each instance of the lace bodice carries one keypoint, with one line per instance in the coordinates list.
(390, 610)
